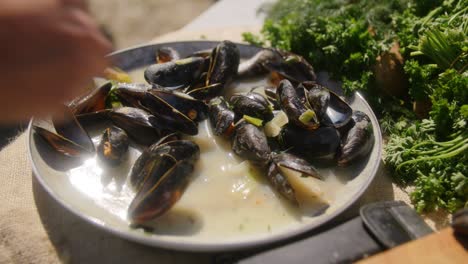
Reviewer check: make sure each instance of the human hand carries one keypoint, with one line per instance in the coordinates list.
(51, 49)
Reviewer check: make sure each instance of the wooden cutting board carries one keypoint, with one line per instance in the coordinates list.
(440, 247)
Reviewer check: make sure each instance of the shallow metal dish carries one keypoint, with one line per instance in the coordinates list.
(58, 185)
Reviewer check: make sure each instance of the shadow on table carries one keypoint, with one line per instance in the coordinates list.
(77, 241)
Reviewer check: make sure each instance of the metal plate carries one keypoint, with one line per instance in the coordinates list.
(58, 182)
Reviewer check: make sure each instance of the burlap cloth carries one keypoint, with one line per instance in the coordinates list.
(35, 229)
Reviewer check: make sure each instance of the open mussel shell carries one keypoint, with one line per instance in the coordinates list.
(358, 142)
(175, 74)
(292, 67)
(170, 118)
(221, 117)
(250, 142)
(165, 177)
(252, 104)
(321, 143)
(113, 146)
(224, 62)
(67, 126)
(93, 101)
(294, 108)
(280, 183)
(141, 126)
(330, 108)
(61, 144)
(166, 54)
(295, 163)
(194, 109)
(255, 65)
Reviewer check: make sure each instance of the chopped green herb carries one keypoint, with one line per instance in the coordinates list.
(253, 120)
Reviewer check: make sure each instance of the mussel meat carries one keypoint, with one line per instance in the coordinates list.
(292, 67)
(93, 101)
(113, 146)
(294, 108)
(166, 54)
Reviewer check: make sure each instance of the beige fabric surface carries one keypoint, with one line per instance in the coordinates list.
(35, 229)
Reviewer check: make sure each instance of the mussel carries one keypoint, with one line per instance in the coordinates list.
(93, 101)
(251, 143)
(256, 65)
(321, 143)
(295, 109)
(292, 67)
(170, 117)
(162, 179)
(71, 139)
(329, 107)
(221, 117)
(113, 146)
(140, 125)
(358, 141)
(175, 74)
(224, 61)
(194, 109)
(252, 104)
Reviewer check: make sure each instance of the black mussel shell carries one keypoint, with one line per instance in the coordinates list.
(66, 125)
(330, 108)
(166, 54)
(255, 65)
(320, 143)
(141, 126)
(358, 141)
(221, 117)
(252, 104)
(194, 109)
(131, 95)
(164, 178)
(136, 177)
(206, 53)
(293, 67)
(294, 108)
(295, 163)
(250, 142)
(206, 92)
(175, 74)
(113, 146)
(170, 118)
(92, 101)
(280, 183)
(224, 62)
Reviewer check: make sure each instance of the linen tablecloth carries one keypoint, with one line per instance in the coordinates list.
(35, 229)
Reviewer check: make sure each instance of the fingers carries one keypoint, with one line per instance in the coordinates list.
(82, 4)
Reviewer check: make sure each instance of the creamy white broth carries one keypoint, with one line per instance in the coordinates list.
(226, 197)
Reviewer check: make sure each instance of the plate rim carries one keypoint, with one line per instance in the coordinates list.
(211, 246)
